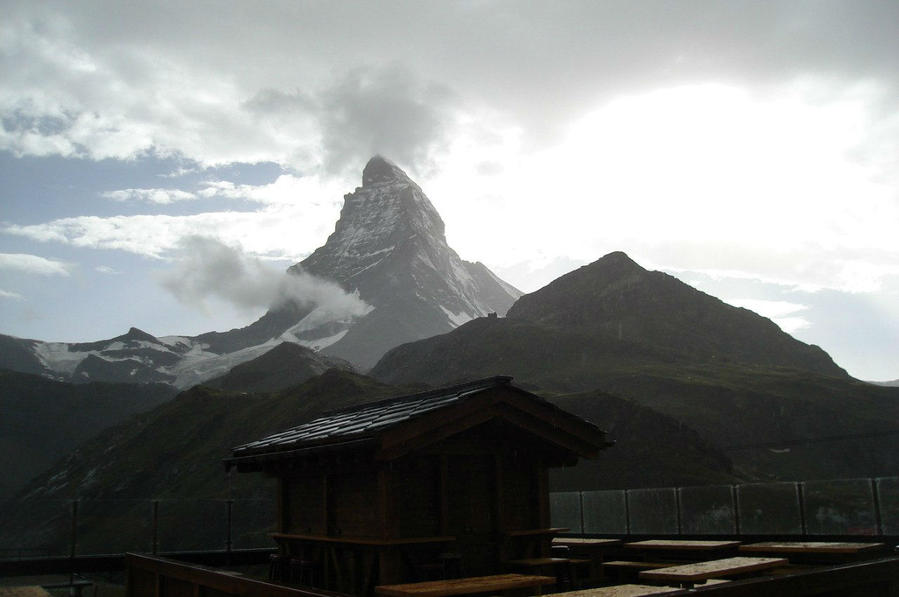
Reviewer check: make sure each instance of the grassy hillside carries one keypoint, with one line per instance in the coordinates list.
(42, 420)
(173, 454)
(651, 449)
(779, 408)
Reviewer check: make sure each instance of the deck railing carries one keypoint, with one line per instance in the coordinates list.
(69, 528)
(842, 507)
(845, 507)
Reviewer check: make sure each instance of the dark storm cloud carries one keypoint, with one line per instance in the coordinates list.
(538, 63)
(376, 110)
(385, 111)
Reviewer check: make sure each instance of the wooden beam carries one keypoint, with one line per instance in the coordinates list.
(543, 495)
(393, 449)
(498, 497)
(545, 431)
(282, 505)
(444, 498)
(324, 509)
(384, 505)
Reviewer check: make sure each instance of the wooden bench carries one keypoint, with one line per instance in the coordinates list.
(626, 571)
(24, 591)
(466, 586)
(815, 551)
(684, 548)
(597, 550)
(564, 569)
(628, 590)
(687, 575)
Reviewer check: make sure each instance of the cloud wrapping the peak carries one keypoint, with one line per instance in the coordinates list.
(209, 268)
(384, 111)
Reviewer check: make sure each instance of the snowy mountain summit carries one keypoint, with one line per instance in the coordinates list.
(389, 245)
(388, 248)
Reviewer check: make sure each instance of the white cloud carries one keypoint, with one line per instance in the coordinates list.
(105, 269)
(783, 313)
(287, 189)
(10, 295)
(209, 268)
(33, 264)
(159, 196)
(297, 216)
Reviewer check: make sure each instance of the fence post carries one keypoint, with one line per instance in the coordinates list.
(800, 495)
(878, 520)
(74, 538)
(155, 526)
(735, 501)
(580, 496)
(228, 543)
(677, 507)
(627, 515)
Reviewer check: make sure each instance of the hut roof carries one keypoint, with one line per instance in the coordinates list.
(397, 425)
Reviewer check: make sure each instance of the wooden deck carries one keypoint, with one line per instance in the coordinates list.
(24, 591)
(465, 586)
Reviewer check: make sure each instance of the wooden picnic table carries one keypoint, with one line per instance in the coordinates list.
(586, 543)
(828, 547)
(466, 586)
(563, 569)
(628, 590)
(682, 544)
(808, 552)
(687, 575)
(596, 550)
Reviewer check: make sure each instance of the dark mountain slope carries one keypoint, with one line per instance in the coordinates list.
(616, 296)
(285, 365)
(43, 420)
(651, 449)
(730, 374)
(173, 453)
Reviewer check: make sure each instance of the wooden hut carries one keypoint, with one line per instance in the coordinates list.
(375, 493)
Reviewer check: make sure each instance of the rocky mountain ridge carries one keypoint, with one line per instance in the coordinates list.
(388, 247)
(781, 409)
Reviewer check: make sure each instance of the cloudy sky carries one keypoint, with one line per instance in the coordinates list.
(749, 148)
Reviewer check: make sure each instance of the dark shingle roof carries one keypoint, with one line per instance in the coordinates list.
(366, 420)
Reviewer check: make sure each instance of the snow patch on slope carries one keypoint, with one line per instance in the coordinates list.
(456, 319)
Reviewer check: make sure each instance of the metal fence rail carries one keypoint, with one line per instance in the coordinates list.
(70, 528)
(842, 507)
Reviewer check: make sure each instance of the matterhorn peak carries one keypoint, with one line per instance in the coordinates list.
(381, 170)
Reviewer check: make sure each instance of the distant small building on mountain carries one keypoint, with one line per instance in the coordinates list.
(386, 487)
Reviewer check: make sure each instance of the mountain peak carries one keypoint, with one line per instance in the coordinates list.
(138, 334)
(379, 170)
